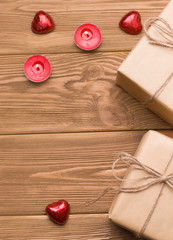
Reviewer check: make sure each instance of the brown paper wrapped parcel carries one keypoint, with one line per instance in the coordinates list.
(147, 68)
(130, 210)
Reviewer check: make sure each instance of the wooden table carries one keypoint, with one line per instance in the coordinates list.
(58, 138)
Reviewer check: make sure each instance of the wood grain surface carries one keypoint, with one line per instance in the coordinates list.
(58, 139)
(81, 95)
(79, 227)
(38, 169)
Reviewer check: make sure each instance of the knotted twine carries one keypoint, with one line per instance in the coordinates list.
(162, 28)
(155, 176)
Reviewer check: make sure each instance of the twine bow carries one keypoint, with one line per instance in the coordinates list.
(163, 28)
(154, 176)
(165, 32)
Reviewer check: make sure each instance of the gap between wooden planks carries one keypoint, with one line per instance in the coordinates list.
(16, 36)
(81, 95)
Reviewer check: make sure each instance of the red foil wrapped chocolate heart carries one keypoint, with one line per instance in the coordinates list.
(58, 211)
(42, 23)
(131, 23)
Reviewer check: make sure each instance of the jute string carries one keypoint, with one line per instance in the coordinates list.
(163, 29)
(153, 176)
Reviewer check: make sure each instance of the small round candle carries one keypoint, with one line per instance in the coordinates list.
(88, 37)
(37, 68)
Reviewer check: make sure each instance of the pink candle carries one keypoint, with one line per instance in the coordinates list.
(37, 68)
(88, 37)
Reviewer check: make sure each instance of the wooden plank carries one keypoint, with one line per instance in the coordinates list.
(16, 36)
(81, 95)
(23, 6)
(38, 169)
(86, 227)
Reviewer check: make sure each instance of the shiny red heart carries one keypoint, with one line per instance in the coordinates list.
(131, 23)
(42, 23)
(58, 211)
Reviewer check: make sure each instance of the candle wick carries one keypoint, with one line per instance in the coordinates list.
(37, 67)
(86, 33)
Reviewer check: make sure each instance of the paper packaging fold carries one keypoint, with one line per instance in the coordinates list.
(130, 210)
(146, 68)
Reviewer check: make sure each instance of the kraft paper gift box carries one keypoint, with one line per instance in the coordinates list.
(147, 68)
(130, 210)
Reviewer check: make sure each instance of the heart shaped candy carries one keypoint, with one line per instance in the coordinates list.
(58, 211)
(131, 23)
(42, 23)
